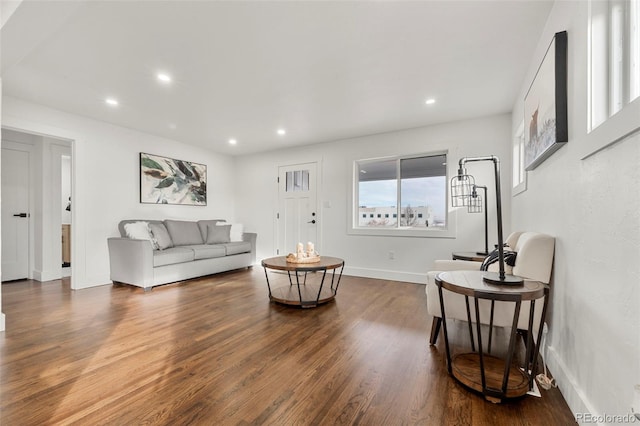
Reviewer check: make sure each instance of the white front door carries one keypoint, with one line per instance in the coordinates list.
(297, 207)
(15, 214)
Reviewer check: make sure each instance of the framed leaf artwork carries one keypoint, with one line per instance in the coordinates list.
(166, 180)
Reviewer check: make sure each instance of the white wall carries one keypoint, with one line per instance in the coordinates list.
(368, 255)
(106, 181)
(592, 208)
(2, 316)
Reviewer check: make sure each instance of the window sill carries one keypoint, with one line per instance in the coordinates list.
(614, 129)
(519, 188)
(406, 232)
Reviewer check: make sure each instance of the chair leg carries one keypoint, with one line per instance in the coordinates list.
(435, 330)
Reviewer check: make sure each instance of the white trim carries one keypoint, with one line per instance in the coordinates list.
(386, 274)
(78, 252)
(575, 397)
(616, 128)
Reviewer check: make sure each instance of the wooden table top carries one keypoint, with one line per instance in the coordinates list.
(470, 283)
(468, 255)
(280, 263)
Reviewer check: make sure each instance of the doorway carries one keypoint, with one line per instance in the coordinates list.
(297, 215)
(40, 180)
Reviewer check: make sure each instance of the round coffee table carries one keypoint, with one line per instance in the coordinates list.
(299, 292)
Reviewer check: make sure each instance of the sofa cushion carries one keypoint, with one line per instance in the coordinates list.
(184, 232)
(203, 224)
(207, 251)
(218, 234)
(237, 247)
(161, 235)
(171, 256)
(237, 229)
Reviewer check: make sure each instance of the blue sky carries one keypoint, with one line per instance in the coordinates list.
(416, 192)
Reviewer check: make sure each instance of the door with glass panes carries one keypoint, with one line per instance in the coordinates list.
(297, 214)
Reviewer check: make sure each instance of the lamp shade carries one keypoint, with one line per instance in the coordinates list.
(475, 204)
(461, 189)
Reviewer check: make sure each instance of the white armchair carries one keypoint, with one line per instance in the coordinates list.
(534, 261)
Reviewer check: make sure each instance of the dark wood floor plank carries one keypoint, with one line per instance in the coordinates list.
(214, 350)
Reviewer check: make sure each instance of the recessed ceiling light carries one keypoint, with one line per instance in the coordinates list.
(282, 132)
(430, 101)
(172, 126)
(111, 101)
(164, 78)
(233, 141)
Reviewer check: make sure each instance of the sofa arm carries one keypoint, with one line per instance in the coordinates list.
(251, 237)
(131, 261)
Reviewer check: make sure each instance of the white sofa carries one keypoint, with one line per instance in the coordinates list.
(137, 262)
(534, 261)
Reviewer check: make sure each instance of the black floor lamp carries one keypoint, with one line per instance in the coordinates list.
(475, 206)
(462, 187)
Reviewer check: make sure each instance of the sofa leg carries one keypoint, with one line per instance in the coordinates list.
(435, 329)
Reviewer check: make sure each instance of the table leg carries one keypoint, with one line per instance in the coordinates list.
(493, 304)
(324, 274)
(339, 278)
(444, 328)
(266, 274)
(480, 354)
(537, 343)
(512, 345)
(466, 300)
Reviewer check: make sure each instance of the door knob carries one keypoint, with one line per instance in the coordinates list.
(312, 221)
(21, 215)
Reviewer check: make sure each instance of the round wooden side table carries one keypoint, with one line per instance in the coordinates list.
(497, 379)
(303, 293)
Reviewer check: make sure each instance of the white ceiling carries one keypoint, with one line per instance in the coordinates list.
(323, 70)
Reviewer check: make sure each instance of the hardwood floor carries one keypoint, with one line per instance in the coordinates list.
(216, 351)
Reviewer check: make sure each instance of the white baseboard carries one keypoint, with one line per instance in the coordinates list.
(385, 274)
(46, 275)
(575, 396)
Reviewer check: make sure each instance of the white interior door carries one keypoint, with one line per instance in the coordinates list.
(15, 214)
(297, 207)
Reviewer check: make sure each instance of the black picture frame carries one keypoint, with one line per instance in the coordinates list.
(165, 180)
(545, 105)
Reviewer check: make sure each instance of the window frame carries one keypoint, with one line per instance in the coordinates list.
(518, 172)
(449, 231)
(607, 125)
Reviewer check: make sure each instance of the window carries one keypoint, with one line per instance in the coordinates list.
(297, 181)
(413, 189)
(519, 176)
(614, 60)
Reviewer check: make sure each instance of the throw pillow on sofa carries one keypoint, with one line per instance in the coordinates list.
(237, 229)
(139, 231)
(218, 234)
(184, 233)
(161, 235)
